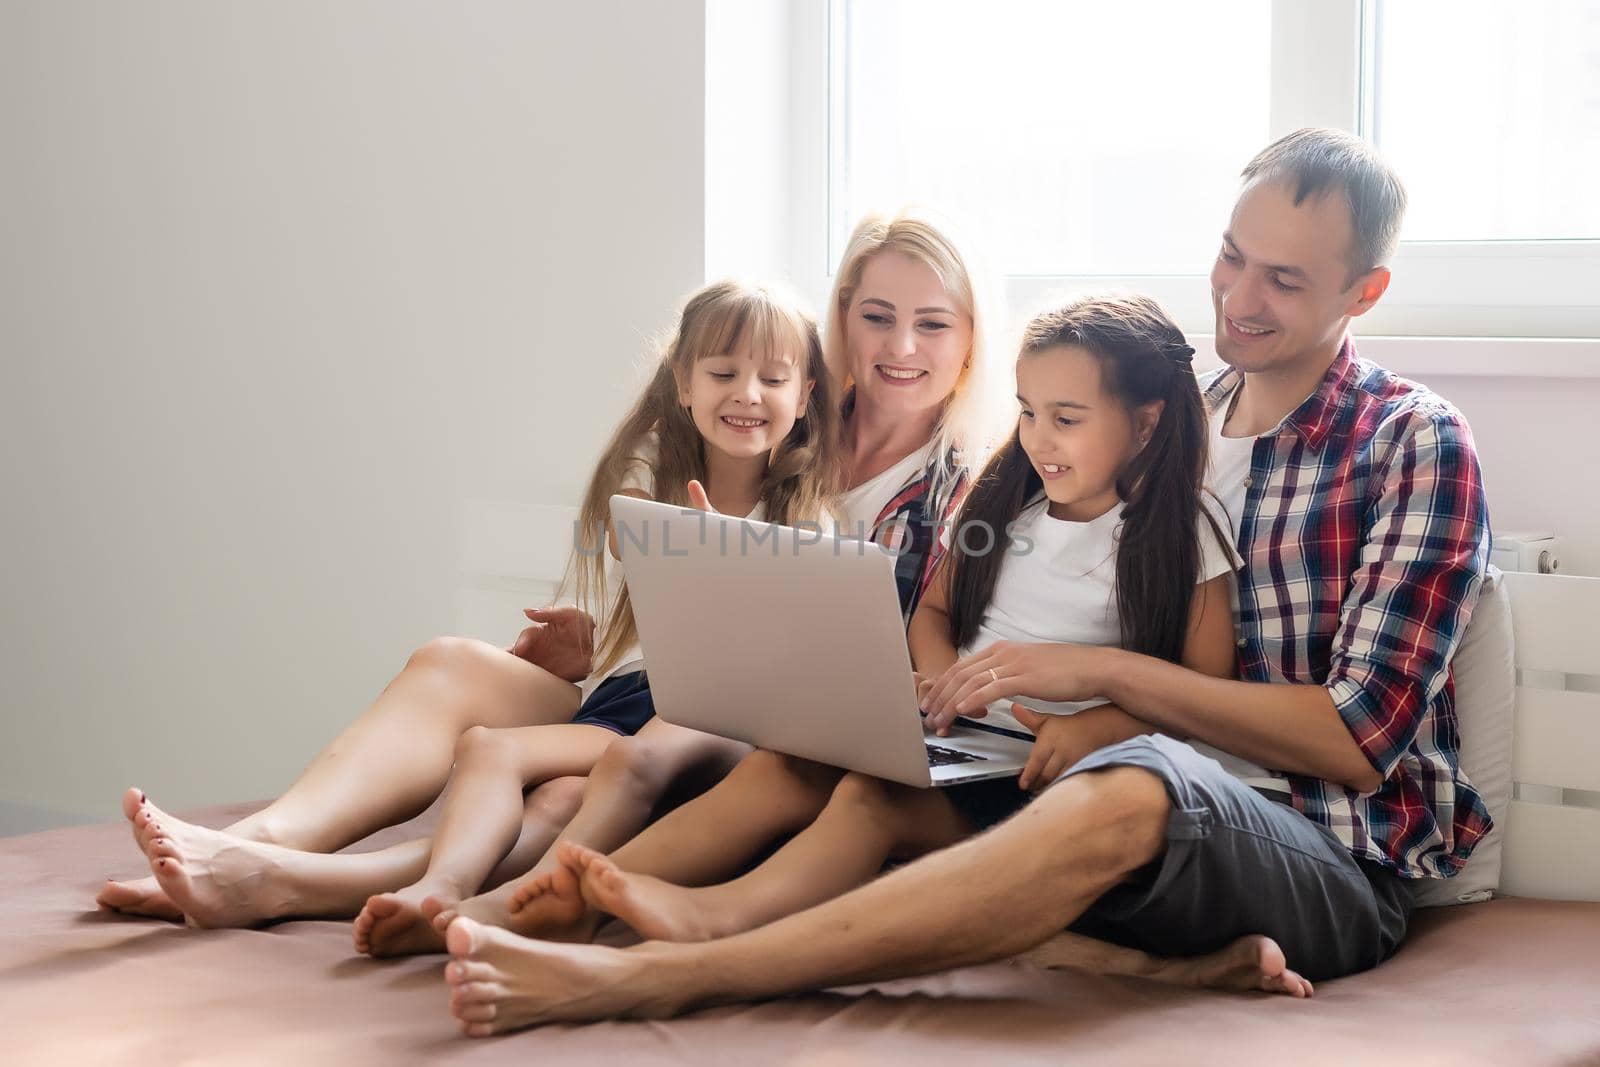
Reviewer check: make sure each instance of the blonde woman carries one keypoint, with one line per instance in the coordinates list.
(908, 339)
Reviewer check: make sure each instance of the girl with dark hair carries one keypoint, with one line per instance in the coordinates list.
(1087, 526)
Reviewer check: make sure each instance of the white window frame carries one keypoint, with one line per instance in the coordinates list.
(1475, 294)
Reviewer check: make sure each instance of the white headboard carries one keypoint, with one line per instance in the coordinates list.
(1552, 843)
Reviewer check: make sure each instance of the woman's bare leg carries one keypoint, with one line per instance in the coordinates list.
(624, 789)
(481, 820)
(706, 840)
(867, 821)
(222, 880)
(393, 761)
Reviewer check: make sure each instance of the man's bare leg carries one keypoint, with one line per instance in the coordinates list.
(482, 818)
(222, 880)
(391, 762)
(1015, 886)
(624, 789)
(706, 840)
(867, 821)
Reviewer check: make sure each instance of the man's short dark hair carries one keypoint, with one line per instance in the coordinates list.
(1315, 162)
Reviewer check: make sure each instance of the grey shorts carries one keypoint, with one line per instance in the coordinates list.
(1238, 863)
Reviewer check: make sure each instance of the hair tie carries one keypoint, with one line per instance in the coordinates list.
(1181, 354)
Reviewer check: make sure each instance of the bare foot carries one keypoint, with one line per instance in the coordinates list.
(1250, 964)
(213, 878)
(138, 896)
(392, 924)
(550, 905)
(490, 909)
(501, 982)
(657, 910)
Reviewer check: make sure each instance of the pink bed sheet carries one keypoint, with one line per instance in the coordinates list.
(1507, 982)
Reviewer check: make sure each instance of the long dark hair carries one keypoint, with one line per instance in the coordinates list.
(1143, 358)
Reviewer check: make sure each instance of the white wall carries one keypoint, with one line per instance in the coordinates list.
(1539, 442)
(288, 292)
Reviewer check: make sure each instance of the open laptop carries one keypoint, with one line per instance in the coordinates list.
(790, 640)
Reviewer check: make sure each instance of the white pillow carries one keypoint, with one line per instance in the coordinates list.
(1486, 681)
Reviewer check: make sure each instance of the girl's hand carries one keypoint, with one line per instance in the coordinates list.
(924, 686)
(1058, 743)
(1010, 669)
(699, 500)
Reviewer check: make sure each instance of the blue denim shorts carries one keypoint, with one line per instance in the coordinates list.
(621, 704)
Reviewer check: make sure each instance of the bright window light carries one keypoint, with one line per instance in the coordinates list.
(1491, 113)
(1076, 138)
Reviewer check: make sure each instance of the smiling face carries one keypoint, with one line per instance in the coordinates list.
(907, 339)
(1281, 286)
(1078, 436)
(745, 402)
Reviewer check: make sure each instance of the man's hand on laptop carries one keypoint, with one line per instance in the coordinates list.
(1009, 669)
(561, 640)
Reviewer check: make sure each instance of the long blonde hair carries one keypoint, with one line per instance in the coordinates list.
(803, 472)
(971, 421)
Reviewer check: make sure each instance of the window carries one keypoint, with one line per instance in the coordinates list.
(1097, 144)
(1071, 157)
(1492, 115)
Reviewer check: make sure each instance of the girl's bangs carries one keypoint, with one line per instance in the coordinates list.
(771, 331)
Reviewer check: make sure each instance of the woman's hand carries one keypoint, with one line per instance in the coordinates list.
(561, 640)
(1059, 741)
(1009, 669)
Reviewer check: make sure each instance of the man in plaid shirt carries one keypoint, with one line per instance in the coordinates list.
(1359, 512)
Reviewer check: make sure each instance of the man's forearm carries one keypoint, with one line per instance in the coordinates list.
(1291, 728)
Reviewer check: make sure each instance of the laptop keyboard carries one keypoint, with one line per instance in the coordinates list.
(939, 756)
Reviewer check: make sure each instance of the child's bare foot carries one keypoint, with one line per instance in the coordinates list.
(490, 909)
(550, 905)
(655, 909)
(138, 896)
(393, 924)
(500, 982)
(213, 878)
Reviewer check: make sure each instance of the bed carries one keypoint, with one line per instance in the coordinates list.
(1511, 980)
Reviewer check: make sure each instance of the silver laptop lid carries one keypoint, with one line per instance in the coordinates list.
(785, 638)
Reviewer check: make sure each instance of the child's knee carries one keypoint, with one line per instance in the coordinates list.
(481, 746)
(632, 765)
(791, 774)
(555, 802)
(864, 794)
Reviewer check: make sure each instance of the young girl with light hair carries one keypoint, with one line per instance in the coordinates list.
(739, 415)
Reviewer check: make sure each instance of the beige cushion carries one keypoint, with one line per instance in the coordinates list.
(1486, 680)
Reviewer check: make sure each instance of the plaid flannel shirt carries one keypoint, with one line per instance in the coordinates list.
(1365, 539)
(911, 524)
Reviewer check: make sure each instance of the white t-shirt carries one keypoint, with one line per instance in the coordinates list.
(1059, 585)
(1228, 469)
(1228, 477)
(860, 507)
